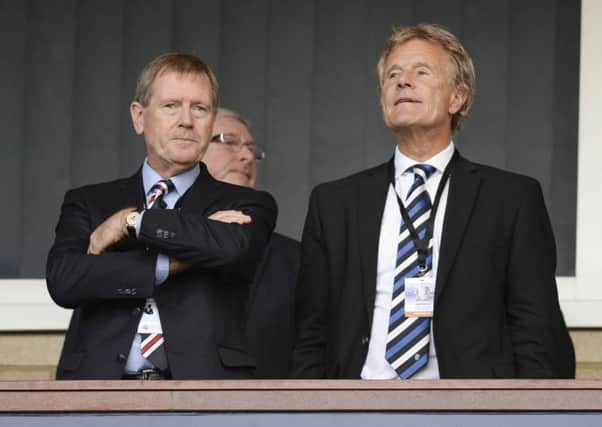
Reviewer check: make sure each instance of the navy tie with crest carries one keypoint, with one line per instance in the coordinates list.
(152, 344)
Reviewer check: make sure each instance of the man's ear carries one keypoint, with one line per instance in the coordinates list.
(458, 99)
(137, 113)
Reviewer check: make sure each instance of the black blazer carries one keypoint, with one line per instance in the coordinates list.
(202, 309)
(496, 309)
(270, 328)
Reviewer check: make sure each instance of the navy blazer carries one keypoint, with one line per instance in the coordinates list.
(270, 328)
(202, 310)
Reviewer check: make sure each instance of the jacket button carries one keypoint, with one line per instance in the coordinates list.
(136, 311)
(121, 357)
(365, 340)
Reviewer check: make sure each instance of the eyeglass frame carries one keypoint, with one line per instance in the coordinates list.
(256, 150)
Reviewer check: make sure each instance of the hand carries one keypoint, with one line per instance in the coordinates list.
(231, 216)
(112, 231)
(177, 266)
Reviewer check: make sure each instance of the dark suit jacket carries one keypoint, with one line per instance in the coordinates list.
(202, 309)
(496, 309)
(270, 328)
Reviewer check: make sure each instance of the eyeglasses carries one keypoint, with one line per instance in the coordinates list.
(234, 144)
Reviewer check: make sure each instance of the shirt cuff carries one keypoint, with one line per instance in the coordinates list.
(161, 269)
(139, 223)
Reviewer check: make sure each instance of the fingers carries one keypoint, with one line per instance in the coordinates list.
(177, 266)
(92, 250)
(231, 216)
(113, 230)
(109, 233)
(95, 247)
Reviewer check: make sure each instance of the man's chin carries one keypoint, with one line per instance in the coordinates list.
(400, 121)
(238, 178)
(185, 158)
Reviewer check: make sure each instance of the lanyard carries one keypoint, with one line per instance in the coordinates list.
(422, 244)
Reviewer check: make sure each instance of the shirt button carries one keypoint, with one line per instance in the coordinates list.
(417, 356)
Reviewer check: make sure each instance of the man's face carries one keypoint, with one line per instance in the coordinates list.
(416, 90)
(227, 164)
(176, 123)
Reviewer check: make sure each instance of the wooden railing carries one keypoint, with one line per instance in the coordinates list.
(300, 396)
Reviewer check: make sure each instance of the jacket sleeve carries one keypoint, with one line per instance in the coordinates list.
(541, 344)
(75, 278)
(128, 271)
(202, 242)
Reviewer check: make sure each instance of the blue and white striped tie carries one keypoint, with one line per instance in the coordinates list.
(408, 337)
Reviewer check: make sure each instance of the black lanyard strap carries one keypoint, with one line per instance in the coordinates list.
(422, 244)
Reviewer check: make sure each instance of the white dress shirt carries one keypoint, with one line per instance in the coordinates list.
(376, 366)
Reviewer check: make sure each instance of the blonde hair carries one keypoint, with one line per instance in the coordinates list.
(180, 63)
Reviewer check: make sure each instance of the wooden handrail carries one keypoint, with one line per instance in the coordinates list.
(300, 396)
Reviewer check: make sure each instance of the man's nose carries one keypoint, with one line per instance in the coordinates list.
(186, 116)
(246, 154)
(405, 80)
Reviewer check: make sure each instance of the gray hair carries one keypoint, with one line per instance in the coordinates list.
(226, 112)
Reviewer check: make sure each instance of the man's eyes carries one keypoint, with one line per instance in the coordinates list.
(196, 109)
(230, 142)
(420, 72)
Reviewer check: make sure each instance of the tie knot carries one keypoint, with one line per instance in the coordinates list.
(160, 189)
(422, 171)
(163, 187)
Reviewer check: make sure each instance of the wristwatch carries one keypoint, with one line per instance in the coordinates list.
(131, 222)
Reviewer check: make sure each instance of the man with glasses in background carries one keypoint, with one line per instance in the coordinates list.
(232, 157)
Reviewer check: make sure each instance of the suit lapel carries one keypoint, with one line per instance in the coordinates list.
(463, 190)
(131, 192)
(198, 197)
(372, 197)
(202, 193)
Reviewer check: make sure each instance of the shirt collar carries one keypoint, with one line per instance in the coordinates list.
(182, 182)
(439, 160)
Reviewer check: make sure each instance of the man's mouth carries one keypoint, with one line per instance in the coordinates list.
(404, 100)
(241, 172)
(184, 139)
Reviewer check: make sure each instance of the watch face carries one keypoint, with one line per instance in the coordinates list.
(132, 220)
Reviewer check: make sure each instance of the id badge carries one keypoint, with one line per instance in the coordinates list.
(419, 296)
(150, 323)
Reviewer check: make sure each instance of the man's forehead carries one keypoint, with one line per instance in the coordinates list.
(229, 124)
(169, 80)
(416, 51)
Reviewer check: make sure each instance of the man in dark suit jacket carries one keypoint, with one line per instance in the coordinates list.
(180, 273)
(232, 157)
(491, 262)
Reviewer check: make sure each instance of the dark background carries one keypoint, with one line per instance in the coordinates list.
(302, 71)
